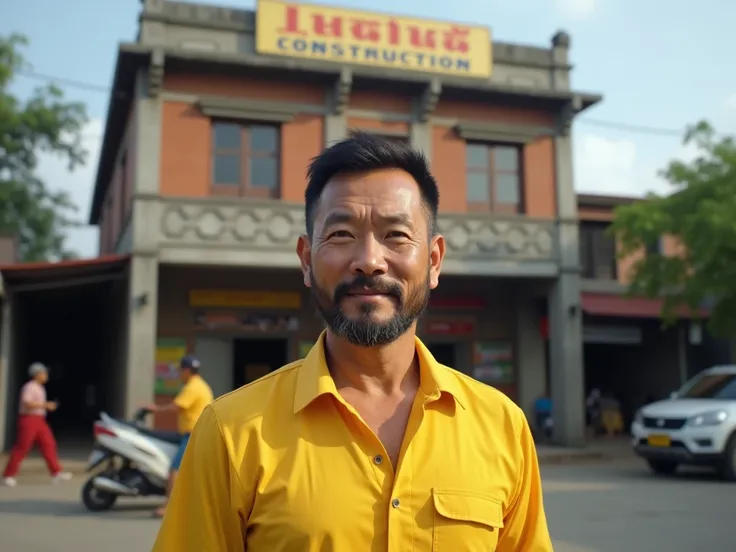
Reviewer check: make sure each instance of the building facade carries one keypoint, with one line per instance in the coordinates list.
(215, 114)
(627, 351)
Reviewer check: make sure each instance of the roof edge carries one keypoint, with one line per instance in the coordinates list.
(595, 200)
(119, 91)
(101, 260)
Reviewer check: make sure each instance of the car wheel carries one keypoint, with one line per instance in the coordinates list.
(96, 500)
(727, 469)
(662, 467)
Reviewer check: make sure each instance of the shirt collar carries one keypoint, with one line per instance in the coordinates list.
(315, 380)
(192, 379)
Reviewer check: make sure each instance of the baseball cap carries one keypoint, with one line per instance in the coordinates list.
(37, 368)
(190, 361)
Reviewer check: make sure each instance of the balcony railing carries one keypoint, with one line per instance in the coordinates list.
(267, 226)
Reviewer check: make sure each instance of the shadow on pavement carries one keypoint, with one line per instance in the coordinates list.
(686, 474)
(64, 508)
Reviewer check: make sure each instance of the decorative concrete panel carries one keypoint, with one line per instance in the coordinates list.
(259, 227)
(499, 238)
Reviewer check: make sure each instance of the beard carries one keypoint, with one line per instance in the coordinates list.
(364, 330)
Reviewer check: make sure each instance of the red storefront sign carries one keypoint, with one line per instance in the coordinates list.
(438, 327)
(456, 303)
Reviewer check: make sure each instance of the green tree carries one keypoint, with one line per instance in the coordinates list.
(700, 214)
(42, 123)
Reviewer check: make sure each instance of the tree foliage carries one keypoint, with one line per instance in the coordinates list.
(700, 215)
(42, 123)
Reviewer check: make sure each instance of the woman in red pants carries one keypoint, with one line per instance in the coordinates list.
(33, 428)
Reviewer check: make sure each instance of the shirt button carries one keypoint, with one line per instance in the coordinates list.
(395, 503)
(378, 459)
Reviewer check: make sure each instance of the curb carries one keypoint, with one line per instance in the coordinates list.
(573, 458)
(36, 466)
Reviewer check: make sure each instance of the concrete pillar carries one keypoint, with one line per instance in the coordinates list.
(142, 331)
(560, 73)
(565, 315)
(532, 376)
(566, 361)
(420, 138)
(142, 296)
(420, 132)
(336, 122)
(336, 128)
(148, 119)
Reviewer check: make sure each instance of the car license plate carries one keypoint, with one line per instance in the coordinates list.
(659, 441)
(94, 457)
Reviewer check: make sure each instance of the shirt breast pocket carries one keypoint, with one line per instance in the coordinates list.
(465, 521)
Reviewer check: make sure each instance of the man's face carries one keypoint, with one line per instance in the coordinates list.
(184, 374)
(371, 261)
(42, 377)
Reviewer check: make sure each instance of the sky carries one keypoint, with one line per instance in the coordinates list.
(659, 65)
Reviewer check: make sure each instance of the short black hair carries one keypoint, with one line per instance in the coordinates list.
(363, 152)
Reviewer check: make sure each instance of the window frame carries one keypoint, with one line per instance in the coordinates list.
(491, 173)
(654, 248)
(591, 232)
(244, 187)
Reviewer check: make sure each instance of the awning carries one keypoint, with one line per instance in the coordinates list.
(31, 276)
(599, 304)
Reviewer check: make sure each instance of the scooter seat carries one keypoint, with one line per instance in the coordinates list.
(168, 436)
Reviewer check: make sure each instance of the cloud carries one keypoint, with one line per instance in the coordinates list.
(608, 166)
(729, 104)
(726, 122)
(79, 184)
(576, 9)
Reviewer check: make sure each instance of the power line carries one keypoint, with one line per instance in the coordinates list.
(65, 82)
(613, 125)
(637, 129)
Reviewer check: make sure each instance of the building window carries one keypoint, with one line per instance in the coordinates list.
(494, 178)
(654, 248)
(246, 159)
(597, 252)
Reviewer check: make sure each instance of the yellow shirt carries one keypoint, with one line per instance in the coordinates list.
(192, 400)
(285, 464)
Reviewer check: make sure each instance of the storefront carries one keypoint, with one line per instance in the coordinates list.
(629, 353)
(243, 323)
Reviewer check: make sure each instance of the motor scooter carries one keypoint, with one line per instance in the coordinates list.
(128, 460)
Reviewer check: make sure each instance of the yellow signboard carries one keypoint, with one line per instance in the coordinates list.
(168, 354)
(246, 299)
(365, 38)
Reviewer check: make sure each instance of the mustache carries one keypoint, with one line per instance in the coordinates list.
(362, 282)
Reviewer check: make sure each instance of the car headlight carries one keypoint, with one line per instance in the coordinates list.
(639, 417)
(713, 418)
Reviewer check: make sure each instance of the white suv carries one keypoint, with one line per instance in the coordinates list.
(697, 425)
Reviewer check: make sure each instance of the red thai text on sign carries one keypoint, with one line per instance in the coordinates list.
(393, 32)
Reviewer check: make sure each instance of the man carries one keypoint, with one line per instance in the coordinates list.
(593, 413)
(368, 443)
(33, 428)
(189, 404)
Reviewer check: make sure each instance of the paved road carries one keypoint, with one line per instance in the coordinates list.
(597, 507)
(619, 507)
